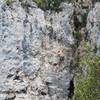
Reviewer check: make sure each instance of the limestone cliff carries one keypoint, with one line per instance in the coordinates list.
(39, 48)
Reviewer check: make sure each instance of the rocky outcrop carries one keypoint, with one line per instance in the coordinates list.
(40, 50)
(36, 53)
(93, 27)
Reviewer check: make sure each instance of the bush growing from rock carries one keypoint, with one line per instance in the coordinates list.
(8, 2)
(48, 4)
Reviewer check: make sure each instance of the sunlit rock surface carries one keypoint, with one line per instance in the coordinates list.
(36, 53)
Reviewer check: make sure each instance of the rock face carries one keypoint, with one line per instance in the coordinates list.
(38, 48)
(36, 52)
(93, 27)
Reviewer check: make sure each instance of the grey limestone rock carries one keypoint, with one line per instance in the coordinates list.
(35, 52)
(93, 27)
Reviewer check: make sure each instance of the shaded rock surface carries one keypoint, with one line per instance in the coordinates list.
(93, 27)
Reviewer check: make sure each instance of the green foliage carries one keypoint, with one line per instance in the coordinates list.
(87, 88)
(77, 36)
(48, 4)
(41, 4)
(84, 18)
(24, 3)
(8, 2)
(54, 4)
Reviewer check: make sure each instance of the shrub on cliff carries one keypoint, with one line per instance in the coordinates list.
(48, 4)
(8, 2)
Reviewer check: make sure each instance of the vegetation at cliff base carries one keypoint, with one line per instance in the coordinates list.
(88, 81)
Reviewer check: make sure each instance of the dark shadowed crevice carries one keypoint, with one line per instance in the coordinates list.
(10, 98)
(71, 89)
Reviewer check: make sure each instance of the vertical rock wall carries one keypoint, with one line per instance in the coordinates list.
(38, 50)
(35, 52)
(93, 27)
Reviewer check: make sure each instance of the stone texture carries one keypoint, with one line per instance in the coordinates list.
(35, 52)
(93, 27)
